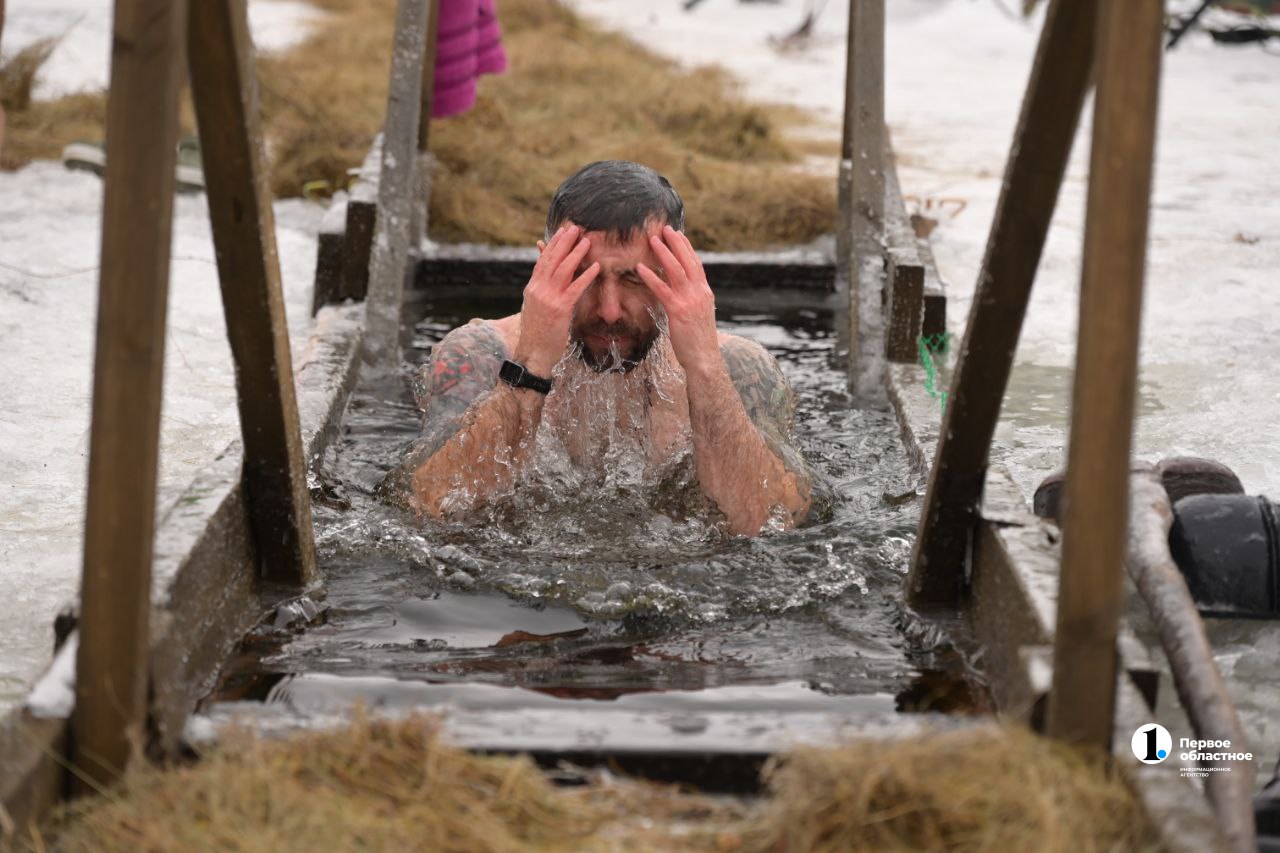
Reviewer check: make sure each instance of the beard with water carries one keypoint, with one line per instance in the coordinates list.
(612, 458)
(612, 359)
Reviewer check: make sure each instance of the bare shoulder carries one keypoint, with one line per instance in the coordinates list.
(765, 392)
(464, 364)
(463, 367)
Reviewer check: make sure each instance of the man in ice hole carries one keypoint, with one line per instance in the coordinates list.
(617, 286)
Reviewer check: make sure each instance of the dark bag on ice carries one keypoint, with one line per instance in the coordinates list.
(1228, 548)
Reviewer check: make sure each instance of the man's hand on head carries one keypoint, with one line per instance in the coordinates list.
(549, 298)
(687, 298)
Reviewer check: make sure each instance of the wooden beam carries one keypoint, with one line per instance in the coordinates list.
(905, 273)
(224, 89)
(428, 75)
(1042, 143)
(393, 229)
(844, 180)
(137, 220)
(864, 123)
(1096, 509)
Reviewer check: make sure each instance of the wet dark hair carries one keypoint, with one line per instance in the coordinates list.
(615, 196)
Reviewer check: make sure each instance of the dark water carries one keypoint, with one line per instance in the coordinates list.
(567, 604)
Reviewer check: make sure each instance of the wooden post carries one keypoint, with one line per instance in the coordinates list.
(844, 182)
(137, 220)
(905, 272)
(1082, 704)
(428, 75)
(224, 89)
(393, 229)
(420, 203)
(864, 123)
(1042, 143)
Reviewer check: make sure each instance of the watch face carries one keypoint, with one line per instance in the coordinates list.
(517, 377)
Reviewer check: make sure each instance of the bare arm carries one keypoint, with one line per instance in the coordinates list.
(742, 413)
(481, 442)
(740, 407)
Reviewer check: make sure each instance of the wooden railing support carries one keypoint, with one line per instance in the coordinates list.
(1042, 144)
(863, 217)
(224, 89)
(137, 220)
(428, 75)
(393, 229)
(1096, 509)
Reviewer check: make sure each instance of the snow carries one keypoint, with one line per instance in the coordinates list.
(955, 74)
(54, 695)
(81, 60)
(50, 228)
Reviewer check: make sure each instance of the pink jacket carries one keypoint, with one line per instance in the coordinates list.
(468, 44)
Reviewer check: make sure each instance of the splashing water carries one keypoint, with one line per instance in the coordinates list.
(607, 554)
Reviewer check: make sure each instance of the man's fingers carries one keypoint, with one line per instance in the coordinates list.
(543, 247)
(660, 288)
(583, 281)
(559, 248)
(676, 273)
(684, 249)
(566, 269)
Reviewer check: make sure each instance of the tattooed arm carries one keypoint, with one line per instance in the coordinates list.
(742, 417)
(473, 426)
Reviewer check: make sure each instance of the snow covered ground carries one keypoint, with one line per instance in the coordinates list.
(50, 227)
(81, 61)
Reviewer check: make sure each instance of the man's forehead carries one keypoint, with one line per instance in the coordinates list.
(610, 250)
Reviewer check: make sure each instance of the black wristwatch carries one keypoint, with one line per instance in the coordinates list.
(516, 376)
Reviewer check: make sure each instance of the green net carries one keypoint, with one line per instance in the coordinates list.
(933, 351)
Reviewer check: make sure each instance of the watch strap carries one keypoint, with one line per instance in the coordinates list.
(514, 374)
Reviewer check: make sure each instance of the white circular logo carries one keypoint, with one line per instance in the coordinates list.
(1151, 743)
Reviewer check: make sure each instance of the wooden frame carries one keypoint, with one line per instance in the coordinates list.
(224, 88)
(1042, 143)
(124, 449)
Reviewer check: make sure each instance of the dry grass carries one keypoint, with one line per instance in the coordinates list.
(394, 786)
(985, 790)
(573, 94)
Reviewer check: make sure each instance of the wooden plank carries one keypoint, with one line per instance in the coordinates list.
(393, 228)
(428, 75)
(844, 179)
(904, 284)
(225, 91)
(809, 273)
(329, 248)
(1096, 509)
(865, 123)
(362, 215)
(1042, 143)
(137, 219)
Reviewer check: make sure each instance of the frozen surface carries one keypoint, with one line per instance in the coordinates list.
(50, 228)
(48, 304)
(82, 58)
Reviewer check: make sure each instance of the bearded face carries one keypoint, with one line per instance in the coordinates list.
(617, 319)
